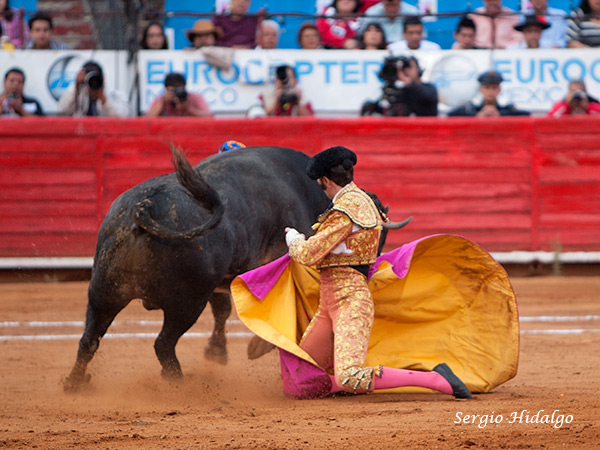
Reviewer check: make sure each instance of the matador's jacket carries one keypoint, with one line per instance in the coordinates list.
(346, 241)
(353, 223)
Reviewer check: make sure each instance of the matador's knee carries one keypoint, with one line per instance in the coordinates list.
(357, 379)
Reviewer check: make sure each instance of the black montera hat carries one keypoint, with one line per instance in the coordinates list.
(490, 77)
(320, 164)
(531, 19)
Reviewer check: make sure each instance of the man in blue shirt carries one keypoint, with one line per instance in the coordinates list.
(393, 23)
(556, 35)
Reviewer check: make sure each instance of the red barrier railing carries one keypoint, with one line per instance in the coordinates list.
(506, 183)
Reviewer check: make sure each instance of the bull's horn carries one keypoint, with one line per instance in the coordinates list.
(396, 225)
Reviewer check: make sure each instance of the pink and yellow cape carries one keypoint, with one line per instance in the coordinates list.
(438, 299)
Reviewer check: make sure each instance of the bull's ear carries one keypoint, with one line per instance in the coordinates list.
(386, 209)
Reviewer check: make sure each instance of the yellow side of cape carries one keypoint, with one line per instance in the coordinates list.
(455, 305)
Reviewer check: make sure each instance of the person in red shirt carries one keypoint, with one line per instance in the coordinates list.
(576, 102)
(338, 28)
(176, 101)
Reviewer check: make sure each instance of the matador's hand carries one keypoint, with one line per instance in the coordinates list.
(291, 234)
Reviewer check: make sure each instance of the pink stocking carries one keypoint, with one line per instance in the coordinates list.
(393, 378)
(441, 379)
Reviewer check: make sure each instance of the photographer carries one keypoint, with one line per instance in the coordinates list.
(576, 102)
(404, 93)
(13, 102)
(177, 101)
(286, 99)
(88, 96)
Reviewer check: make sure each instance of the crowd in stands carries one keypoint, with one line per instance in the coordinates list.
(341, 24)
(391, 25)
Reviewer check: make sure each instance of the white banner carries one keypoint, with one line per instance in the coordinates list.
(48, 73)
(339, 81)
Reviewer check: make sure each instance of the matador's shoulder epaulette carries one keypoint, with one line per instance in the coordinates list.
(358, 206)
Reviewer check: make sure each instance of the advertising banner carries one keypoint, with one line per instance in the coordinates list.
(339, 82)
(336, 82)
(49, 73)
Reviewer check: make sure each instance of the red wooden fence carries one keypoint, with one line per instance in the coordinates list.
(506, 183)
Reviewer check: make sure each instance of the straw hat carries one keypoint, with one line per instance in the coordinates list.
(204, 26)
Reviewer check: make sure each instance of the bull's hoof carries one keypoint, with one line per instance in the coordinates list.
(258, 347)
(73, 384)
(216, 354)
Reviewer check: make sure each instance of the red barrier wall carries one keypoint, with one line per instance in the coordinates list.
(506, 183)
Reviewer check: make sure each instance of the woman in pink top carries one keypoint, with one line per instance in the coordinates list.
(14, 28)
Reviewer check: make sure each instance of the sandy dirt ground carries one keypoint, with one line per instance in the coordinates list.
(127, 405)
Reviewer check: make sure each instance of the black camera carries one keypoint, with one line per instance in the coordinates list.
(393, 98)
(578, 96)
(180, 93)
(288, 96)
(94, 80)
(389, 70)
(282, 75)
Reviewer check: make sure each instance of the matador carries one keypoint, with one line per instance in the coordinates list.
(342, 249)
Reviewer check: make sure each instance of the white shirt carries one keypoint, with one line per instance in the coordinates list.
(402, 46)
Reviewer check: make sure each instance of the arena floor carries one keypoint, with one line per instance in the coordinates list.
(241, 406)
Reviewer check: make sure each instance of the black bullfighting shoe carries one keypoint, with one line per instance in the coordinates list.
(459, 390)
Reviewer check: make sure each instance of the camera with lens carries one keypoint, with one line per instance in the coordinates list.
(180, 93)
(288, 96)
(393, 98)
(94, 80)
(389, 70)
(578, 97)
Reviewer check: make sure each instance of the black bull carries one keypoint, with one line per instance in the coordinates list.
(176, 242)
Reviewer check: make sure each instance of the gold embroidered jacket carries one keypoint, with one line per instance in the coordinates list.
(353, 220)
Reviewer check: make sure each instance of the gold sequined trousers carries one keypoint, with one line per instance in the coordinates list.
(339, 332)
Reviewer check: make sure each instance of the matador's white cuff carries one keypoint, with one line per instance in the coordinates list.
(292, 235)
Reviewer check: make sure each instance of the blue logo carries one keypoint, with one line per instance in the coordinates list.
(62, 73)
(455, 77)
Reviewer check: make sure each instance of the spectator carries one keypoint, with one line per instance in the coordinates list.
(390, 17)
(13, 102)
(556, 35)
(372, 38)
(532, 28)
(268, 35)
(309, 37)
(5, 44)
(286, 99)
(338, 28)
(239, 30)
(41, 28)
(494, 25)
(465, 35)
(489, 87)
(203, 34)
(176, 101)
(153, 37)
(584, 25)
(12, 24)
(413, 38)
(576, 102)
(404, 93)
(88, 97)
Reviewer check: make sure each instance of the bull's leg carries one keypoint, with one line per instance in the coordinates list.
(216, 350)
(97, 322)
(177, 321)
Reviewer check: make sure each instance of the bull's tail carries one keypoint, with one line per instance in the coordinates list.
(199, 190)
